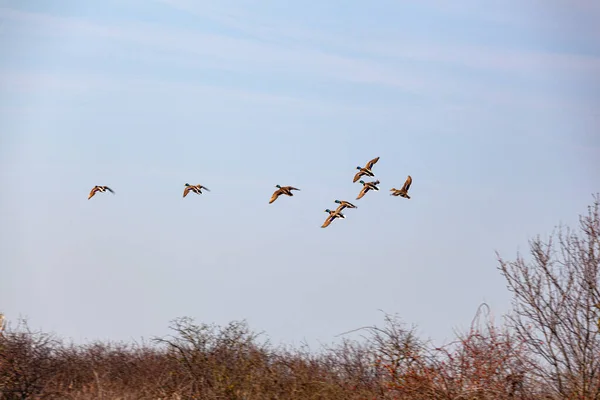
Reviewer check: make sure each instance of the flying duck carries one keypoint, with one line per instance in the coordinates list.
(100, 189)
(366, 170)
(287, 190)
(404, 191)
(366, 187)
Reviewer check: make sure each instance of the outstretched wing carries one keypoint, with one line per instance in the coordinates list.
(407, 184)
(275, 195)
(93, 192)
(204, 187)
(372, 162)
(364, 190)
(109, 189)
(349, 205)
(290, 188)
(186, 190)
(327, 221)
(357, 176)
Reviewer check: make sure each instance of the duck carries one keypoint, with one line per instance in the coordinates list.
(331, 217)
(344, 204)
(366, 170)
(100, 189)
(287, 190)
(194, 188)
(404, 191)
(366, 187)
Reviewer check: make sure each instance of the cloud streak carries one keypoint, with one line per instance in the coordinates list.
(28, 82)
(202, 50)
(226, 52)
(402, 46)
(264, 54)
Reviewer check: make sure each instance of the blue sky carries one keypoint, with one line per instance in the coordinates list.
(492, 109)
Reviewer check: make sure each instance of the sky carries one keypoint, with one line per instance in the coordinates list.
(493, 109)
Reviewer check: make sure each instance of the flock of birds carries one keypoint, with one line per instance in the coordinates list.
(287, 190)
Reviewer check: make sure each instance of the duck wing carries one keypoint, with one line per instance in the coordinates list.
(275, 195)
(327, 222)
(407, 184)
(358, 175)
(93, 192)
(364, 190)
(372, 162)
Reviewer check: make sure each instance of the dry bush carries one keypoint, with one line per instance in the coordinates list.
(210, 362)
(488, 362)
(230, 363)
(555, 314)
(394, 360)
(215, 362)
(26, 361)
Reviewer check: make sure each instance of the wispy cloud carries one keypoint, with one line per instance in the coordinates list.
(398, 51)
(82, 83)
(391, 62)
(402, 46)
(547, 15)
(227, 52)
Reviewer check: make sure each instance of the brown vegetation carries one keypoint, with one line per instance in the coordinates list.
(549, 348)
(555, 307)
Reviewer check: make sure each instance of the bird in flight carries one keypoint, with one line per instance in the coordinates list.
(366, 170)
(287, 190)
(366, 187)
(331, 217)
(404, 191)
(100, 189)
(194, 188)
(344, 204)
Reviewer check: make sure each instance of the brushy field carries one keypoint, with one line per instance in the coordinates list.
(231, 362)
(547, 348)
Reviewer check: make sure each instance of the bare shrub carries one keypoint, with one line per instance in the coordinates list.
(553, 299)
(488, 362)
(26, 361)
(398, 358)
